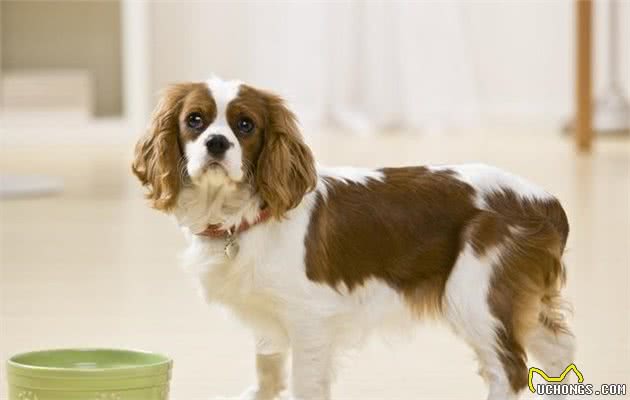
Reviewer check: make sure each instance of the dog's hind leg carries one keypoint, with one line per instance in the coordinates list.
(525, 295)
(466, 307)
(551, 342)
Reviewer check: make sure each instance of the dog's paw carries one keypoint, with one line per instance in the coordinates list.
(254, 393)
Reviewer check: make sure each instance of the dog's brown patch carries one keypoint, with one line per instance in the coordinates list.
(405, 230)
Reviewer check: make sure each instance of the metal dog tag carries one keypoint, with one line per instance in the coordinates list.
(231, 247)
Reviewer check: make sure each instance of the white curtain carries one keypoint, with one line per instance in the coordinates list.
(421, 66)
(364, 65)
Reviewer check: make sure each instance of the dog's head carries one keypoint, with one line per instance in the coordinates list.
(224, 133)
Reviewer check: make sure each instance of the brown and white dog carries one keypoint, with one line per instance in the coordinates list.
(311, 257)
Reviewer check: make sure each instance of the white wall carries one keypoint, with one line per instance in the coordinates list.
(190, 40)
(523, 56)
(521, 52)
(62, 35)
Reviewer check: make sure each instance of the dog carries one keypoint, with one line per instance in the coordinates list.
(311, 258)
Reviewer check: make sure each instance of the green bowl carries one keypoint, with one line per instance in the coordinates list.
(88, 374)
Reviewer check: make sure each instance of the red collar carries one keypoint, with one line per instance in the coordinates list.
(216, 230)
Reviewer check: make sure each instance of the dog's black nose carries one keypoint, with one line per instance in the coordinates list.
(217, 145)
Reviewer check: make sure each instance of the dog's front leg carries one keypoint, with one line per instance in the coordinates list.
(272, 378)
(272, 375)
(271, 370)
(312, 363)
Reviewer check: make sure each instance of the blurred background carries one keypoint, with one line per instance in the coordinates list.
(360, 66)
(517, 84)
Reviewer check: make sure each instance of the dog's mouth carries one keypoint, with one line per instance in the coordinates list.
(213, 173)
(211, 167)
(215, 165)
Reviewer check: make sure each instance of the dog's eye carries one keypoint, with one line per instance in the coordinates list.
(245, 125)
(195, 121)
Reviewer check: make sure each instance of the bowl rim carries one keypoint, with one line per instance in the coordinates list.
(165, 362)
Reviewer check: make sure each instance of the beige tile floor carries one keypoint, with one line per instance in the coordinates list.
(95, 267)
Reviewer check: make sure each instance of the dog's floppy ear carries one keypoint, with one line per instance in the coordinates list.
(157, 154)
(285, 169)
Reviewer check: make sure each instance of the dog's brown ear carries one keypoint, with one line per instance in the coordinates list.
(157, 154)
(286, 168)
